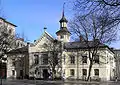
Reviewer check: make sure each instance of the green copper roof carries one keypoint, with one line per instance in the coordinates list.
(63, 19)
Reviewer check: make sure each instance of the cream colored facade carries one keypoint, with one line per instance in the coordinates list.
(16, 66)
(106, 65)
(18, 61)
(9, 28)
(71, 69)
(117, 59)
(36, 50)
(33, 60)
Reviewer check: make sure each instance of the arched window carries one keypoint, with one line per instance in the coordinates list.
(72, 59)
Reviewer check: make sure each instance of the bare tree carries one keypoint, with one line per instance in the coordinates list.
(110, 2)
(7, 40)
(54, 57)
(96, 21)
(96, 29)
(85, 7)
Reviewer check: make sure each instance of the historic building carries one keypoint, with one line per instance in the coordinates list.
(18, 61)
(33, 59)
(117, 60)
(15, 63)
(6, 27)
(74, 57)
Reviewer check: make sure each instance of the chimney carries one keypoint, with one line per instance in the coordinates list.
(97, 40)
(22, 39)
(81, 38)
(112, 48)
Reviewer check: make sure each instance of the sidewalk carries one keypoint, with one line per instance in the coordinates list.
(74, 81)
(58, 81)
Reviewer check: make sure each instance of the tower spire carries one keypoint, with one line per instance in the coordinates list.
(63, 19)
(63, 9)
(63, 34)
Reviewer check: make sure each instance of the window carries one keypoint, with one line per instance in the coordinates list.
(64, 71)
(21, 44)
(96, 59)
(72, 72)
(61, 36)
(13, 72)
(18, 44)
(36, 59)
(96, 71)
(38, 73)
(36, 70)
(72, 59)
(21, 73)
(13, 62)
(45, 59)
(64, 59)
(84, 59)
(84, 72)
(10, 31)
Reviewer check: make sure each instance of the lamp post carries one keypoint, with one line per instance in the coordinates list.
(2, 65)
(1, 71)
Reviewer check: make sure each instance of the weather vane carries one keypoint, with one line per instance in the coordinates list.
(45, 28)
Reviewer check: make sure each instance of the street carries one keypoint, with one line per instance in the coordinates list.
(42, 82)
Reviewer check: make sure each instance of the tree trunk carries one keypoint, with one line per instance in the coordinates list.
(53, 73)
(89, 73)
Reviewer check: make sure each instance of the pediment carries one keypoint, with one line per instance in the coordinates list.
(45, 38)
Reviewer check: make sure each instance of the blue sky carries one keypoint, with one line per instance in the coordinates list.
(31, 16)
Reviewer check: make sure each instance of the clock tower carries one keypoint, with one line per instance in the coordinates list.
(63, 34)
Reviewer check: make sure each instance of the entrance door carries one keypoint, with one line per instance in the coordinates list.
(45, 74)
(21, 74)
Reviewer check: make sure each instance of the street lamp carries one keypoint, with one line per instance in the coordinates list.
(1, 71)
(1, 65)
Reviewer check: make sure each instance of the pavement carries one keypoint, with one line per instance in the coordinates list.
(58, 82)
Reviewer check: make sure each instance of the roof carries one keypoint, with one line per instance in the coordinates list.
(63, 19)
(63, 30)
(83, 45)
(44, 34)
(116, 51)
(7, 22)
(19, 50)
